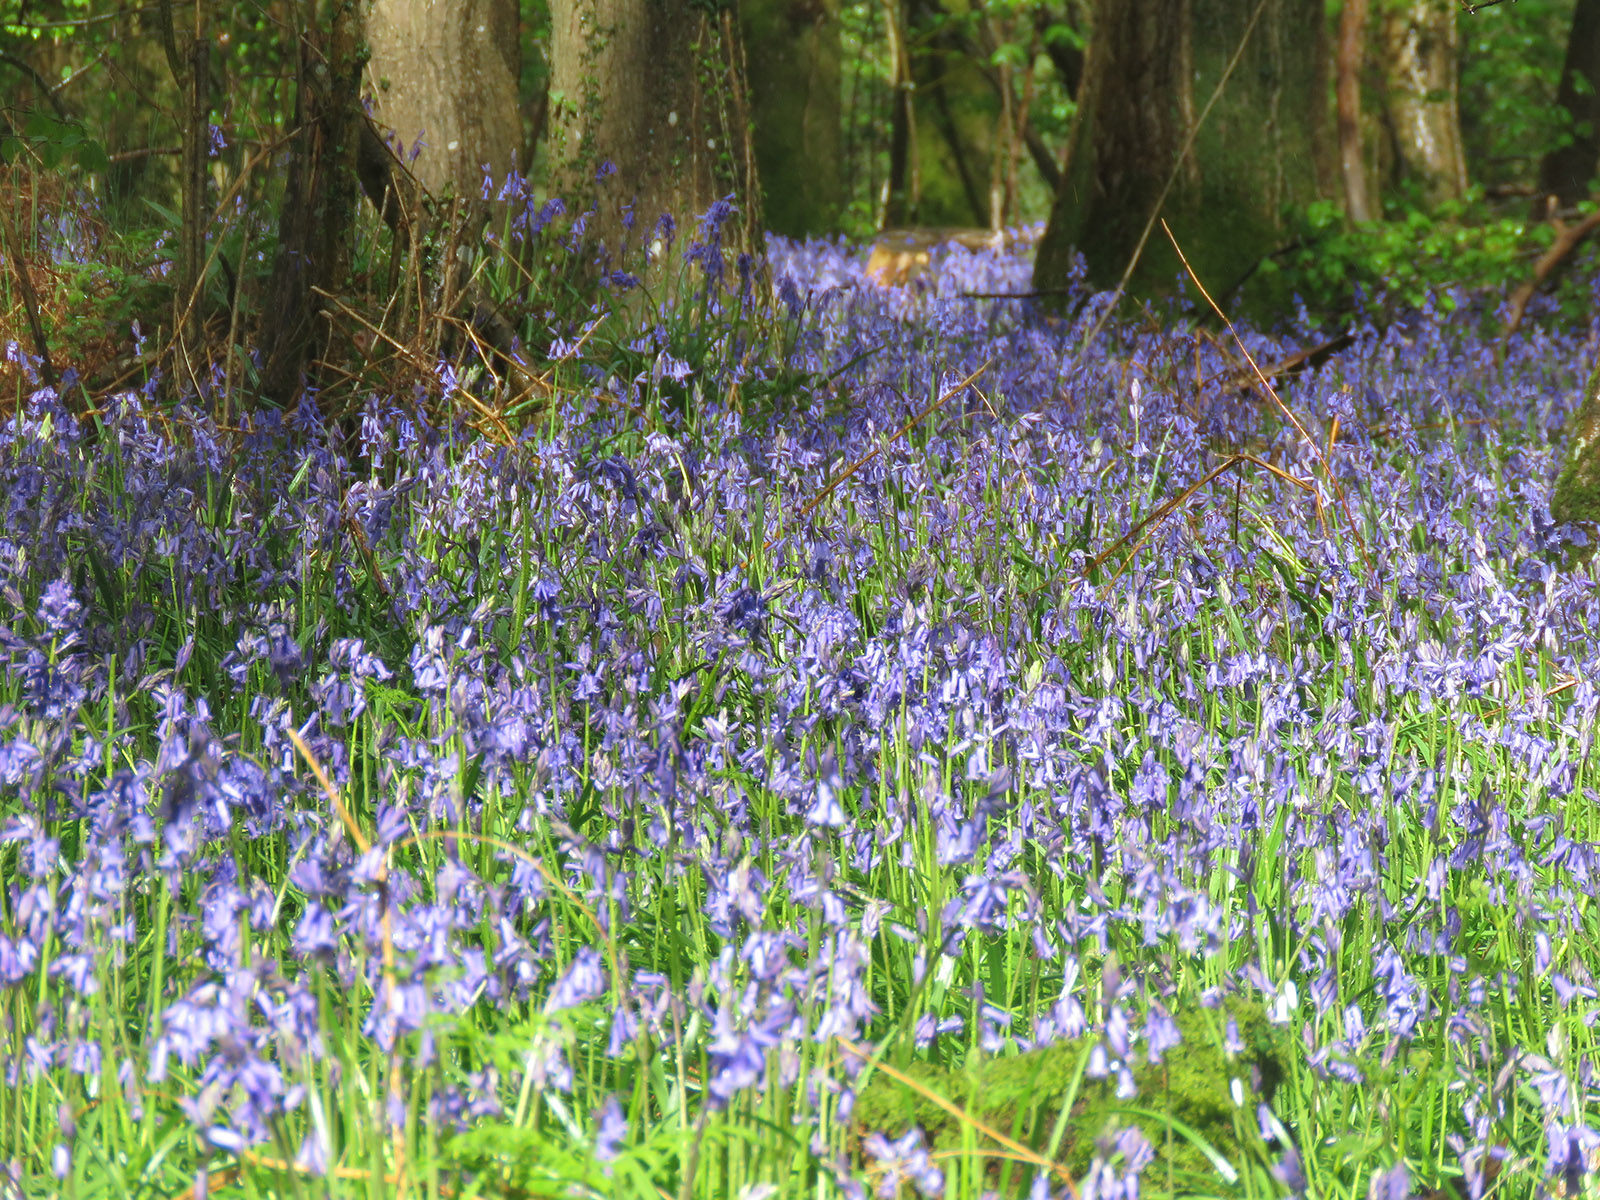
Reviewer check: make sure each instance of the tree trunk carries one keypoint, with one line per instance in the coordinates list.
(956, 147)
(1351, 56)
(189, 59)
(794, 56)
(316, 225)
(1419, 52)
(656, 90)
(1152, 66)
(446, 75)
(900, 191)
(1577, 492)
(1565, 172)
(966, 112)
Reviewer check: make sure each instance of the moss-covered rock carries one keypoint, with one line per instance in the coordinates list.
(1186, 1098)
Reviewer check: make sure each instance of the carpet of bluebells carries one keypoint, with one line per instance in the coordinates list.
(399, 811)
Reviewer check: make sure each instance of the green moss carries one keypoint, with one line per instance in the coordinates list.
(1186, 1097)
(793, 52)
(1576, 499)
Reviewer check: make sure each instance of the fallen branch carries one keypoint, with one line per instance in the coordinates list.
(1228, 464)
(1245, 379)
(1568, 240)
(807, 508)
(1321, 454)
(1033, 295)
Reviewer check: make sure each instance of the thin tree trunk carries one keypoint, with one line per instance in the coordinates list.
(316, 225)
(1565, 172)
(951, 132)
(1000, 162)
(899, 196)
(1022, 110)
(1420, 50)
(1351, 55)
(1043, 156)
(189, 59)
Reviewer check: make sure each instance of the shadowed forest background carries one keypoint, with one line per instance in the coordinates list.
(1303, 152)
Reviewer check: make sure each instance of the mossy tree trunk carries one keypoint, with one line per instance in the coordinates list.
(446, 74)
(655, 89)
(794, 54)
(1420, 48)
(1151, 67)
(1577, 494)
(958, 112)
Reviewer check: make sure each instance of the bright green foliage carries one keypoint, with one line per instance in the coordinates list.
(1510, 66)
(1185, 1105)
(1407, 258)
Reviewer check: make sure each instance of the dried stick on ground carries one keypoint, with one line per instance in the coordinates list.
(1568, 240)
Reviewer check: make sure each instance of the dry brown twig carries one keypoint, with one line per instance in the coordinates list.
(1172, 177)
(255, 160)
(1568, 239)
(1240, 376)
(1324, 456)
(810, 506)
(1231, 462)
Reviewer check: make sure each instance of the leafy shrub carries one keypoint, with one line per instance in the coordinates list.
(1334, 267)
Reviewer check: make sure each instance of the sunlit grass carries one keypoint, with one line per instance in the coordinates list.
(699, 757)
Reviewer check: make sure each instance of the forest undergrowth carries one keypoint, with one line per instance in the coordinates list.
(916, 786)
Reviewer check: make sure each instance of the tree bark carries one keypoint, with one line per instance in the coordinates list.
(1565, 172)
(446, 74)
(1124, 140)
(190, 62)
(1152, 66)
(900, 191)
(316, 225)
(955, 109)
(654, 89)
(1419, 51)
(1351, 56)
(794, 55)
(1577, 491)
(945, 119)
